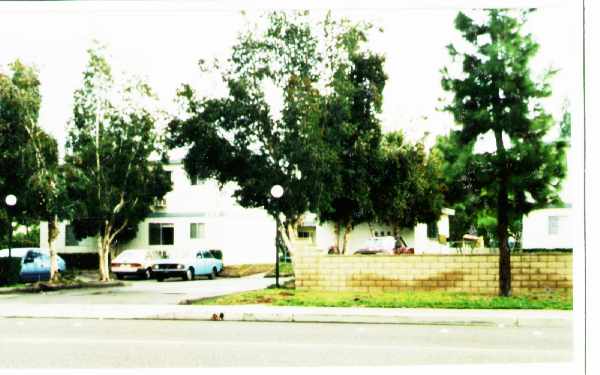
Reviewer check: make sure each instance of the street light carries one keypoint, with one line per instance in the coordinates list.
(10, 200)
(277, 192)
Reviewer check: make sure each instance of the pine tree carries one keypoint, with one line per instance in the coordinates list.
(496, 95)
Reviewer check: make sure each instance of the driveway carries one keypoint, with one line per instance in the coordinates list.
(137, 292)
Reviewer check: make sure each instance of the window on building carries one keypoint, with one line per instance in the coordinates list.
(161, 234)
(303, 234)
(197, 231)
(432, 230)
(553, 224)
(70, 239)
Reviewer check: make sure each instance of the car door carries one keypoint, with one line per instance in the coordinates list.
(32, 268)
(210, 261)
(27, 267)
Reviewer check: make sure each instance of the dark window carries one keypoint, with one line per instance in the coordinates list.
(432, 230)
(303, 234)
(70, 239)
(161, 234)
(206, 254)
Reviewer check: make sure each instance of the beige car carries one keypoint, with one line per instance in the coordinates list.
(135, 262)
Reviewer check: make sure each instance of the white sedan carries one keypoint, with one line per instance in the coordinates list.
(135, 262)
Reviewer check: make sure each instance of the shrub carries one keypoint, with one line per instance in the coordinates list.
(82, 261)
(10, 270)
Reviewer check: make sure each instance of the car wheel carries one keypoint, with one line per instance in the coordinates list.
(147, 275)
(189, 275)
(160, 278)
(213, 274)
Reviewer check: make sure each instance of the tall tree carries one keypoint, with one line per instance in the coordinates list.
(29, 156)
(242, 138)
(352, 129)
(410, 187)
(496, 95)
(112, 161)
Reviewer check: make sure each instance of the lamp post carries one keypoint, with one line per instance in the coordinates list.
(277, 192)
(10, 200)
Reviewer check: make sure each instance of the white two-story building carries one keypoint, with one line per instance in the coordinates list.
(197, 214)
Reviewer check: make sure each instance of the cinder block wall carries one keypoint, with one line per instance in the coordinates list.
(457, 273)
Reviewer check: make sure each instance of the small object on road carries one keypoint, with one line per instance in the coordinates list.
(218, 317)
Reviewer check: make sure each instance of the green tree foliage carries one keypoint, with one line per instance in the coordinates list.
(496, 95)
(352, 129)
(30, 156)
(19, 110)
(409, 184)
(113, 160)
(240, 138)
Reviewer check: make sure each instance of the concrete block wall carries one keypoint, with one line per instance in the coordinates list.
(456, 273)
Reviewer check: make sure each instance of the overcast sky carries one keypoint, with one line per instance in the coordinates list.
(162, 43)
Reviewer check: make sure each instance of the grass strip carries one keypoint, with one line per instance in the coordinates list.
(445, 300)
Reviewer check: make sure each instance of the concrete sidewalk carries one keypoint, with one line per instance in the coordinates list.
(264, 313)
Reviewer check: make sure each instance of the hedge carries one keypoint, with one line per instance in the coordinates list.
(10, 270)
(82, 261)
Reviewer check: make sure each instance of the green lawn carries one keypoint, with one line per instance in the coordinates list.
(292, 297)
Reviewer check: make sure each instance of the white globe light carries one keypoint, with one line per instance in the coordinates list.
(276, 191)
(11, 200)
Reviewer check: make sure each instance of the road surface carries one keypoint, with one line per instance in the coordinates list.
(93, 343)
(136, 292)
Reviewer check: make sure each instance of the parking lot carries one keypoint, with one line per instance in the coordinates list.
(170, 291)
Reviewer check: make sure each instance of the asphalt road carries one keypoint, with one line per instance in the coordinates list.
(138, 292)
(71, 343)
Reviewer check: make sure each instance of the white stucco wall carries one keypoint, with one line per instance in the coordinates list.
(244, 235)
(415, 238)
(536, 233)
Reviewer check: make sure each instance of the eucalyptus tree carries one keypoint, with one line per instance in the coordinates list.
(114, 157)
(29, 156)
(496, 95)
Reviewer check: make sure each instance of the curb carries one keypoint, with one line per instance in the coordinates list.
(44, 287)
(261, 313)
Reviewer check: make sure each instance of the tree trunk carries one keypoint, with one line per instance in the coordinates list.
(52, 234)
(103, 251)
(337, 237)
(502, 217)
(347, 230)
(285, 234)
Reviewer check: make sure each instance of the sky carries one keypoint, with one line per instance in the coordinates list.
(162, 43)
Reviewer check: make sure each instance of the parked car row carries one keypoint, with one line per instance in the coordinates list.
(148, 264)
(35, 263)
(144, 264)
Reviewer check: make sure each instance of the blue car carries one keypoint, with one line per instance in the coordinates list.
(35, 263)
(187, 265)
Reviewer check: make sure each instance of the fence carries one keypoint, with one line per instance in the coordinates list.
(456, 273)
